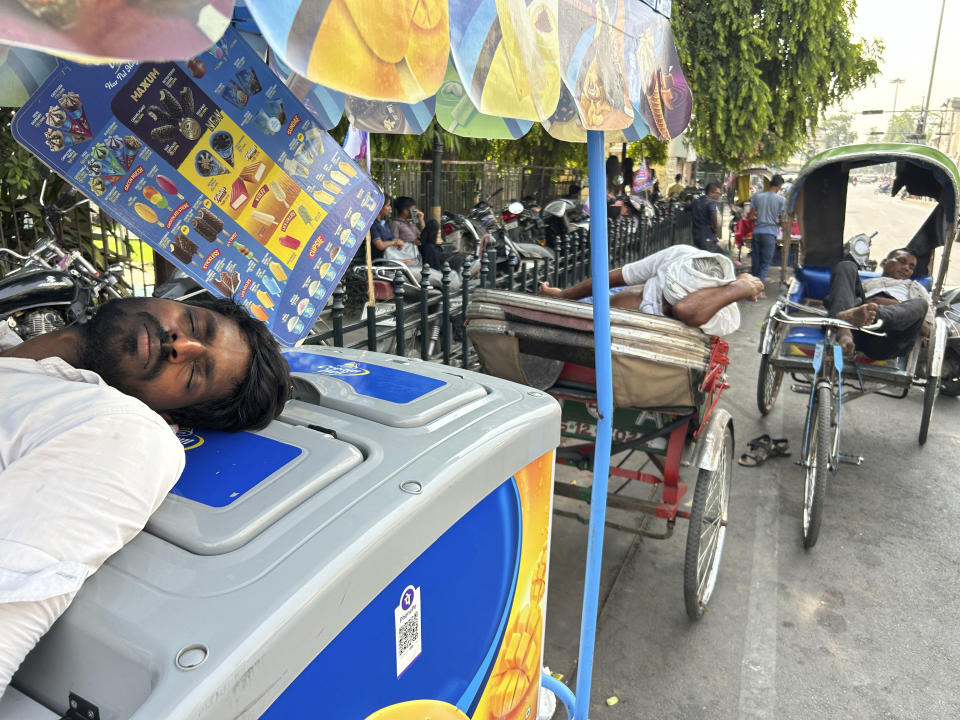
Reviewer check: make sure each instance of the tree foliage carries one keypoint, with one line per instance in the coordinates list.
(902, 126)
(763, 72)
(838, 130)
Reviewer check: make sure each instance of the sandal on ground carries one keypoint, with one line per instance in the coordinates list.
(763, 447)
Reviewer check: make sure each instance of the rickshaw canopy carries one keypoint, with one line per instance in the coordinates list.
(818, 198)
(741, 181)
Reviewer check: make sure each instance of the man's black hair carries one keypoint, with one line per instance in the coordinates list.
(678, 177)
(711, 187)
(403, 203)
(776, 181)
(575, 189)
(902, 250)
(262, 393)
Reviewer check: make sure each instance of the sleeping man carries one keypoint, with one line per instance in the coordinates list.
(696, 287)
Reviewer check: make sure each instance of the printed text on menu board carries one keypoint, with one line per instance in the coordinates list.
(216, 165)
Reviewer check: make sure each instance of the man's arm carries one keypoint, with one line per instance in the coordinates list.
(715, 218)
(582, 289)
(86, 491)
(698, 307)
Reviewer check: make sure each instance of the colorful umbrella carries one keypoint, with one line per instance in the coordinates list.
(105, 30)
(487, 68)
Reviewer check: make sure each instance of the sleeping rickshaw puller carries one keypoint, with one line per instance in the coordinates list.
(696, 287)
(892, 304)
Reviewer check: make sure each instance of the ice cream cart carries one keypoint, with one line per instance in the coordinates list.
(487, 69)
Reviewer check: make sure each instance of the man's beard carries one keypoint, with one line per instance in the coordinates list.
(110, 337)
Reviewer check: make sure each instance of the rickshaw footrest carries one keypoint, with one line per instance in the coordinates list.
(850, 459)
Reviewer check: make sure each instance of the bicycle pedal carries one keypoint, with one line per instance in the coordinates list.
(850, 459)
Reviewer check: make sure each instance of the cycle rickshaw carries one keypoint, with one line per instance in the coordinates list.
(798, 336)
(667, 379)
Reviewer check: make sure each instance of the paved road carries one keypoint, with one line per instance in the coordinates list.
(863, 626)
(895, 220)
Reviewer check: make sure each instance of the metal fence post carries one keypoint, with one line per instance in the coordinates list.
(371, 327)
(492, 267)
(337, 314)
(464, 301)
(398, 301)
(445, 316)
(424, 312)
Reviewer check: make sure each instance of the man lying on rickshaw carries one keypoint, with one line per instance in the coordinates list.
(892, 304)
(696, 287)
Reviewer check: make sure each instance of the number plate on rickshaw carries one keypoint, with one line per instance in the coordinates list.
(510, 225)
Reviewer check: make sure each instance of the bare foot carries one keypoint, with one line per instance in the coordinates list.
(545, 289)
(845, 338)
(860, 315)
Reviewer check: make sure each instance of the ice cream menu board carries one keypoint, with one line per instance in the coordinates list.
(218, 166)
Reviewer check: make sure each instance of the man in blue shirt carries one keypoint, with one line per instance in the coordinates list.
(706, 219)
(768, 207)
(381, 234)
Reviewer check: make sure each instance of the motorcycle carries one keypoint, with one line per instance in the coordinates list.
(49, 288)
(561, 217)
(522, 222)
(949, 308)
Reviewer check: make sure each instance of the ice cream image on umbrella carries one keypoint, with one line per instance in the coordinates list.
(155, 198)
(208, 165)
(109, 161)
(222, 144)
(131, 146)
(70, 102)
(294, 168)
(57, 117)
(207, 224)
(270, 284)
(278, 192)
(168, 186)
(304, 214)
(146, 213)
(115, 144)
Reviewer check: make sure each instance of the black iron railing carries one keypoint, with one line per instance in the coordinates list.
(429, 324)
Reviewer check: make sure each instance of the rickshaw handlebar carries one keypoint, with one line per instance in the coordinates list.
(821, 322)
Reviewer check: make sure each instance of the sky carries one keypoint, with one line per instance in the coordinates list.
(908, 29)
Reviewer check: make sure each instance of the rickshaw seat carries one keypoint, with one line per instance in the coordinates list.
(814, 282)
(801, 341)
(657, 362)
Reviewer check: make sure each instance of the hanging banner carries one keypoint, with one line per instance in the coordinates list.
(215, 164)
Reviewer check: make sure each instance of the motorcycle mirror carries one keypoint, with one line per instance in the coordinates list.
(515, 207)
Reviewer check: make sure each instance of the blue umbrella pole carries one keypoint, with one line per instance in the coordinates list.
(601, 460)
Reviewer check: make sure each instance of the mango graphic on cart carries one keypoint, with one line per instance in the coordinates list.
(419, 710)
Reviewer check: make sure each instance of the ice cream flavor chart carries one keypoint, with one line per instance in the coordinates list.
(219, 167)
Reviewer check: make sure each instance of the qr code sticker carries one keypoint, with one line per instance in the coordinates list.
(407, 623)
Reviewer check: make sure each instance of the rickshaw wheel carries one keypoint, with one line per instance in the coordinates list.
(770, 378)
(707, 530)
(817, 464)
(768, 385)
(930, 393)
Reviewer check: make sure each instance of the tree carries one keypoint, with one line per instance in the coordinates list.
(838, 130)
(763, 72)
(902, 126)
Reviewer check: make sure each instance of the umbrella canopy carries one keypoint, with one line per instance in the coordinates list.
(97, 31)
(485, 69)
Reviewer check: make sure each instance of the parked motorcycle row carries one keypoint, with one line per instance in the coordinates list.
(50, 288)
